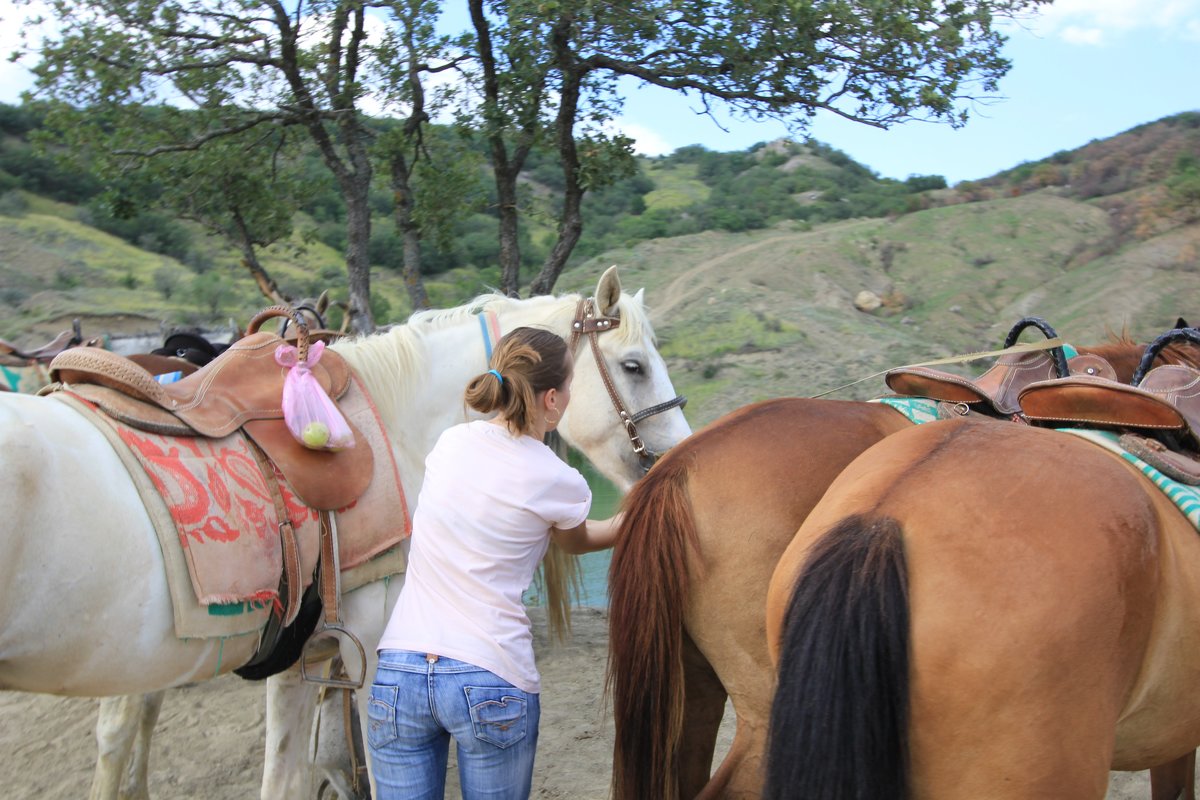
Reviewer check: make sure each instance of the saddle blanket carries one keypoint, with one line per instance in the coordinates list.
(1186, 498)
(25, 379)
(218, 527)
(919, 410)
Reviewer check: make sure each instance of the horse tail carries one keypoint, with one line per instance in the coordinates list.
(839, 722)
(648, 589)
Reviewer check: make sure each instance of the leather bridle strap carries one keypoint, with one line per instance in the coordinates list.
(588, 324)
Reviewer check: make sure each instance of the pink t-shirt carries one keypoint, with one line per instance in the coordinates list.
(481, 526)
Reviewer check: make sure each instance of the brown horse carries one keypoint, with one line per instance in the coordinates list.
(984, 611)
(700, 539)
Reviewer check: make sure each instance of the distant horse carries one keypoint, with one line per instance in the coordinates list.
(984, 611)
(701, 537)
(113, 632)
(24, 369)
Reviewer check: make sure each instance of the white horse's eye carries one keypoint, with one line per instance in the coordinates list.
(632, 367)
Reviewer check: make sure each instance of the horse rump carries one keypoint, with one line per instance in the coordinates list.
(839, 722)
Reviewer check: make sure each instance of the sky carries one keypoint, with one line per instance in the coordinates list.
(1081, 70)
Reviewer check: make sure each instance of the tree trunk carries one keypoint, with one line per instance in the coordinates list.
(504, 168)
(266, 284)
(353, 178)
(402, 194)
(358, 264)
(570, 221)
(510, 248)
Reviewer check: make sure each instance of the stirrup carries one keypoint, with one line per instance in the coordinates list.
(331, 631)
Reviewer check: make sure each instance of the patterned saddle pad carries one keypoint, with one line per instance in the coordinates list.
(218, 528)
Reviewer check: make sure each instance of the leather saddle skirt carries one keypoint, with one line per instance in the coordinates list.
(997, 390)
(1168, 398)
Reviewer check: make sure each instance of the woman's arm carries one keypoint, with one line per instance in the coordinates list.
(590, 535)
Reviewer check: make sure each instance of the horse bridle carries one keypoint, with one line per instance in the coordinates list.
(591, 324)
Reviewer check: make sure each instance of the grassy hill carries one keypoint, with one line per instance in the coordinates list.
(1095, 240)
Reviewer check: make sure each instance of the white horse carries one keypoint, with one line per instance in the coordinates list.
(84, 602)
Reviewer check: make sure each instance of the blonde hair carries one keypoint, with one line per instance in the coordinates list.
(526, 361)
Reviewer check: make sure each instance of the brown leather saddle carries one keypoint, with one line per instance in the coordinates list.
(1163, 399)
(994, 392)
(13, 356)
(240, 390)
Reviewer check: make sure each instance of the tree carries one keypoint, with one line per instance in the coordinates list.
(876, 63)
(412, 52)
(535, 71)
(242, 67)
(248, 202)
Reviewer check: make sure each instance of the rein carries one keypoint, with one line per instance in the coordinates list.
(588, 323)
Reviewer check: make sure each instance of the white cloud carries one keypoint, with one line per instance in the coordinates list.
(1093, 22)
(646, 142)
(1087, 36)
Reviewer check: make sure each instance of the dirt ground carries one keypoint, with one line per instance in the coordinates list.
(209, 739)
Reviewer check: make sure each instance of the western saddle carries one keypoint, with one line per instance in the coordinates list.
(240, 391)
(1158, 412)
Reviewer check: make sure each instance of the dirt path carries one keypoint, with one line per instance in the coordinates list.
(210, 736)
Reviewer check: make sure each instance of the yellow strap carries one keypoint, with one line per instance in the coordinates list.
(1020, 347)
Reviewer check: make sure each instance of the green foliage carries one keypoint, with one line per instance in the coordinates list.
(729, 331)
(13, 203)
(1183, 187)
(166, 282)
(211, 291)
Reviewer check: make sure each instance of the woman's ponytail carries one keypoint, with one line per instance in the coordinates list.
(526, 361)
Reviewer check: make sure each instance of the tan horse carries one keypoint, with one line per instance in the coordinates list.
(702, 534)
(984, 611)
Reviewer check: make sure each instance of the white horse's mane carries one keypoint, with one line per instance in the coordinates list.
(392, 359)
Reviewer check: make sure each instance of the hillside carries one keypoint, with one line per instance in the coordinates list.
(763, 312)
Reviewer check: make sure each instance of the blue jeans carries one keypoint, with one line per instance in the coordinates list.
(419, 702)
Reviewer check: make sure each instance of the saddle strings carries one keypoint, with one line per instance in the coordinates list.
(1021, 347)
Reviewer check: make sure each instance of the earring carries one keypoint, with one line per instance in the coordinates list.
(555, 420)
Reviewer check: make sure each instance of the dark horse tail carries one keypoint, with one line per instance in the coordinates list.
(648, 588)
(839, 723)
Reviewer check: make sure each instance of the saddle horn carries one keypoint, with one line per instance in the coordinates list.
(1056, 353)
(1154, 348)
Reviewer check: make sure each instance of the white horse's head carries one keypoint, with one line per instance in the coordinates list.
(623, 410)
(416, 373)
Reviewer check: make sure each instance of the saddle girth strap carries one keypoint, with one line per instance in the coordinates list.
(291, 582)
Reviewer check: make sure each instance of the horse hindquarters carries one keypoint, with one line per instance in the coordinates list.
(839, 721)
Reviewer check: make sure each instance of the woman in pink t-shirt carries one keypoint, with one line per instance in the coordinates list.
(456, 660)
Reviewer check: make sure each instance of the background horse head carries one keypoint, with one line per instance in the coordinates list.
(700, 539)
(981, 610)
(89, 530)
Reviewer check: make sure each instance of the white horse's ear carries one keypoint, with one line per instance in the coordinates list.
(608, 292)
(640, 297)
(323, 302)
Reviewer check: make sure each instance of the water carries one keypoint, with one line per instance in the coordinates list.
(594, 566)
(605, 500)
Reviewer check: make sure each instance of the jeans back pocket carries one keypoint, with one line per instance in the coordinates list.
(499, 714)
(381, 716)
